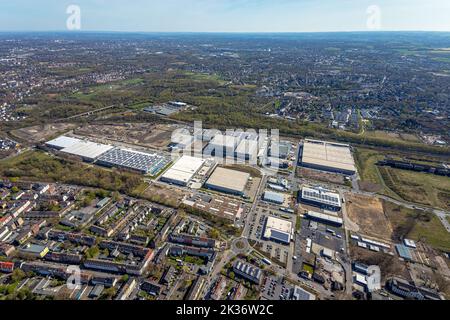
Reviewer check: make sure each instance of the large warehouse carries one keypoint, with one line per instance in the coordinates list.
(87, 150)
(321, 198)
(278, 230)
(183, 170)
(62, 142)
(145, 163)
(228, 181)
(328, 156)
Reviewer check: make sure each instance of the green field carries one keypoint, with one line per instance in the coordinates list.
(418, 187)
(417, 225)
(369, 172)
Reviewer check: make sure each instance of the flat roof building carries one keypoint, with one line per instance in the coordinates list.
(142, 162)
(274, 197)
(228, 181)
(325, 218)
(183, 170)
(328, 156)
(278, 230)
(87, 150)
(62, 142)
(320, 197)
(301, 294)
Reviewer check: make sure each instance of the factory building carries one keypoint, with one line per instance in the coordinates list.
(62, 142)
(320, 197)
(274, 197)
(182, 172)
(228, 181)
(278, 230)
(141, 162)
(87, 150)
(327, 156)
(325, 218)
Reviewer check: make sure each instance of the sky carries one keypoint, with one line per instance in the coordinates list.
(226, 15)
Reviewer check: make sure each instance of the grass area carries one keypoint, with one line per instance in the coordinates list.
(370, 175)
(418, 187)
(390, 136)
(417, 225)
(308, 268)
(298, 223)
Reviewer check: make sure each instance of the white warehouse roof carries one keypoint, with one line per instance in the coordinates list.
(325, 154)
(87, 149)
(62, 142)
(183, 170)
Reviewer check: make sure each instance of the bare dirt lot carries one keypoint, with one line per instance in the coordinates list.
(320, 176)
(368, 214)
(142, 134)
(41, 133)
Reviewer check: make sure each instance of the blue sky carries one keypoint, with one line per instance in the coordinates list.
(225, 15)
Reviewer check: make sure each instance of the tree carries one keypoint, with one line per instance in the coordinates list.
(18, 275)
(125, 278)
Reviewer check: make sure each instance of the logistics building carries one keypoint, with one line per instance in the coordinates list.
(228, 181)
(274, 197)
(327, 156)
(278, 230)
(183, 170)
(320, 197)
(87, 150)
(141, 162)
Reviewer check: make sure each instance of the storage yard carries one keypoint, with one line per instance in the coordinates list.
(141, 134)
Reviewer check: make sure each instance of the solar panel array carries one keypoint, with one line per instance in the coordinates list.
(280, 236)
(322, 197)
(142, 162)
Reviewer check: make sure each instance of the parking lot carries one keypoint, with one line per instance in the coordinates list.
(275, 288)
(278, 251)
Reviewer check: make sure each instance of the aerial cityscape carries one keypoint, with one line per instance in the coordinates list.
(224, 166)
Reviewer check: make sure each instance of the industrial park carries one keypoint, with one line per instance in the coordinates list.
(202, 171)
